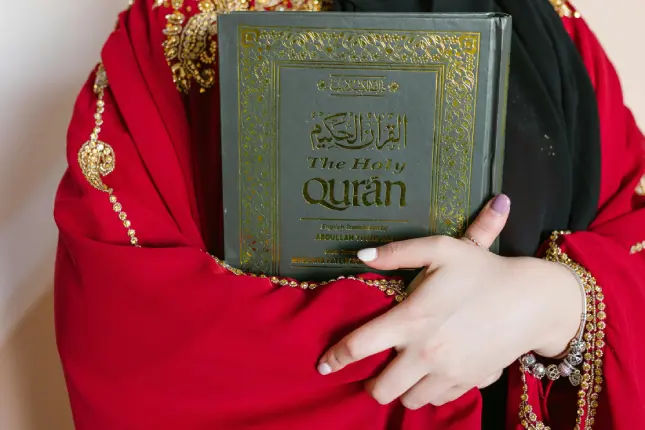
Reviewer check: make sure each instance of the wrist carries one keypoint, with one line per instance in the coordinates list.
(567, 301)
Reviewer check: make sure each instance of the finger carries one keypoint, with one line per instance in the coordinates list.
(378, 335)
(409, 254)
(397, 378)
(490, 222)
(490, 380)
(432, 390)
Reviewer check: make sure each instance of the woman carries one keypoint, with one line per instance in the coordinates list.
(156, 334)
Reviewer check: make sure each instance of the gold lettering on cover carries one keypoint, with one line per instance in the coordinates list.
(350, 130)
(338, 237)
(295, 261)
(340, 252)
(388, 192)
(389, 165)
(342, 195)
(325, 163)
(342, 227)
(358, 85)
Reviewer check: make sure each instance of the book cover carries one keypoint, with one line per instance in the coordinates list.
(342, 131)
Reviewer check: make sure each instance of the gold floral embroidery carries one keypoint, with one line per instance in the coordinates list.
(564, 9)
(592, 366)
(191, 46)
(96, 160)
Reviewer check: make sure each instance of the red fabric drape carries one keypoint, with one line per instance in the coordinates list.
(161, 337)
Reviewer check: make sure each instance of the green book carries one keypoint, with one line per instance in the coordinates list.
(342, 131)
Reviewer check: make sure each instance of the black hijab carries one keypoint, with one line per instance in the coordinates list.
(552, 156)
(552, 160)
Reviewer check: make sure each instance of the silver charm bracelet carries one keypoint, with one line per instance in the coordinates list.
(568, 366)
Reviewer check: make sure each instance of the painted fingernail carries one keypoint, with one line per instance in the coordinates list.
(368, 254)
(501, 204)
(324, 369)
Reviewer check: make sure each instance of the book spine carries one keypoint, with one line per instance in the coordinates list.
(502, 34)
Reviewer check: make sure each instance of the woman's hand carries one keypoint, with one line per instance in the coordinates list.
(470, 315)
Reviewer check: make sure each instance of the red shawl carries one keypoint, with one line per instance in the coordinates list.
(161, 336)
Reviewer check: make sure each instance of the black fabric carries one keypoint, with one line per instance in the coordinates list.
(552, 160)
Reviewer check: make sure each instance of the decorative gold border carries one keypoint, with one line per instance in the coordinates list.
(263, 49)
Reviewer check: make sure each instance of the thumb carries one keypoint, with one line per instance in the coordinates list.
(490, 222)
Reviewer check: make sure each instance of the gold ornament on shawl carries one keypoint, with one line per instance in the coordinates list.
(96, 158)
(191, 46)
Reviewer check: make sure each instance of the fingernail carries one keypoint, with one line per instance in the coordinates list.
(368, 254)
(501, 204)
(324, 369)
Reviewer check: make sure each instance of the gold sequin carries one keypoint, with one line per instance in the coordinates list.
(592, 372)
(564, 9)
(640, 188)
(191, 46)
(637, 248)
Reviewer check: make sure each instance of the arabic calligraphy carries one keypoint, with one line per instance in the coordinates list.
(351, 130)
(357, 85)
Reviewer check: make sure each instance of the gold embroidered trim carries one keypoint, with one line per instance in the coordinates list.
(564, 9)
(592, 378)
(394, 288)
(191, 46)
(96, 160)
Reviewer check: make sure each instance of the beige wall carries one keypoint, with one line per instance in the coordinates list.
(52, 48)
(47, 49)
(618, 26)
